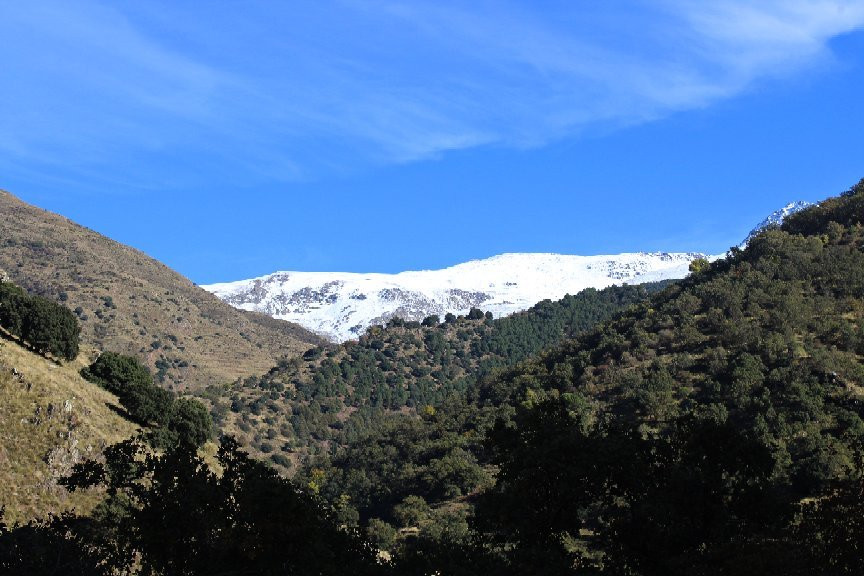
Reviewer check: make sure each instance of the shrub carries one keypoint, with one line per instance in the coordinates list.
(130, 380)
(475, 314)
(190, 422)
(45, 325)
(114, 372)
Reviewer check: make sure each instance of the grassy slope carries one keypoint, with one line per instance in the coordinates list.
(50, 418)
(132, 304)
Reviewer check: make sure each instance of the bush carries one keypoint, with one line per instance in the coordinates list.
(475, 314)
(130, 380)
(116, 372)
(190, 422)
(381, 534)
(183, 421)
(45, 325)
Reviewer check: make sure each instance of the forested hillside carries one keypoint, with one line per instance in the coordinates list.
(716, 429)
(334, 394)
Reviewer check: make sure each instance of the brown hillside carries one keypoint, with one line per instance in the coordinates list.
(50, 419)
(130, 303)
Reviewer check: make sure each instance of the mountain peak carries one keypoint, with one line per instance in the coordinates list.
(341, 305)
(776, 218)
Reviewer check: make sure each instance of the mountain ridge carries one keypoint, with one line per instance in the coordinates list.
(776, 218)
(129, 302)
(342, 305)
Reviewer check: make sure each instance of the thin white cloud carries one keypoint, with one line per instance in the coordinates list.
(277, 93)
(747, 39)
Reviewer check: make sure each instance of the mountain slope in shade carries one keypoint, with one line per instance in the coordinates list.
(341, 306)
(129, 303)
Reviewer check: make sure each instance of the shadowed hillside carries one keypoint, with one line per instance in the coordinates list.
(717, 428)
(130, 303)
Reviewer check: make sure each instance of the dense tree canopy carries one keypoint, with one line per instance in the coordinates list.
(170, 514)
(398, 410)
(182, 420)
(46, 326)
(715, 429)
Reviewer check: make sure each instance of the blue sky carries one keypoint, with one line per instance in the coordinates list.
(233, 139)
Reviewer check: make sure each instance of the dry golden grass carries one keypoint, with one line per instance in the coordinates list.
(50, 418)
(129, 303)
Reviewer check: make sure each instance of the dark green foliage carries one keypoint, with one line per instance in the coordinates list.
(115, 372)
(191, 421)
(415, 427)
(712, 430)
(45, 325)
(170, 514)
(832, 527)
(432, 320)
(475, 314)
(46, 548)
(131, 381)
(397, 457)
(188, 423)
(414, 366)
(148, 405)
(698, 265)
(184, 420)
(846, 210)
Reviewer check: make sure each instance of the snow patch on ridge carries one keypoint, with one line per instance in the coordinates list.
(776, 219)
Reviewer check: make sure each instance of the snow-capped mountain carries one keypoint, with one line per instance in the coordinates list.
(342, 305)
(776, 218)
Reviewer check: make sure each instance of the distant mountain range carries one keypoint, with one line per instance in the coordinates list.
(122, 296)
(340, 305)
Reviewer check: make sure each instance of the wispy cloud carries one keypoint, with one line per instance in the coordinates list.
(280, 92)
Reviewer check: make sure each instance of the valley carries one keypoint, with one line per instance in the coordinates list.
(377, 288)
(733, 392)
